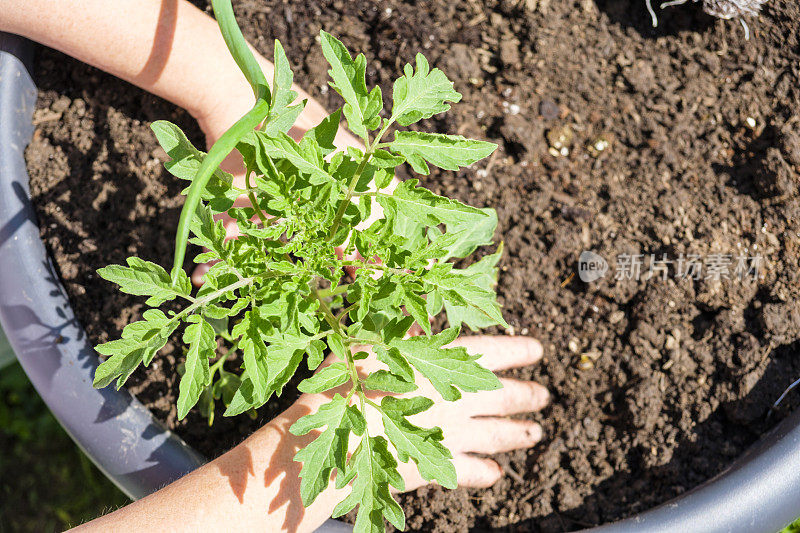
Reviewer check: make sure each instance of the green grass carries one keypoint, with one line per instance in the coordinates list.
(794, 527)
(46, 482)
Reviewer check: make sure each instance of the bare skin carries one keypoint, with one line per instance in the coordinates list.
(255, 486)
(173, 50)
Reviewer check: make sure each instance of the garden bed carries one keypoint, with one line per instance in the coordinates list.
(657, 384)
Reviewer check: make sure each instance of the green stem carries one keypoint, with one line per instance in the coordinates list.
(369, 149)
(328, 315)
(373, 266)
(346, 310)
(349, 196)
(219, 362)
(210, 297)
(339, 289)
(200, 302)
(237, 46)
(373, 404)
(244, 58)
(252, 196)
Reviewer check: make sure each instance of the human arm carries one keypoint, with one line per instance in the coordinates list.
(256, 486)
(167, 47)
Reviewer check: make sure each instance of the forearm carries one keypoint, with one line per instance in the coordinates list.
(167, 47)
(254, 487)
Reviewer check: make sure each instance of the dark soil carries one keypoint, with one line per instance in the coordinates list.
(658, 384)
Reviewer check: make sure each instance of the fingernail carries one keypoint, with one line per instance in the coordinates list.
(542, 396)
(536, 350)
(535, 433)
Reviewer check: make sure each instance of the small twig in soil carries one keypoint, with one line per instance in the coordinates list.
(787, 391)
(563, 198)
(514, 474)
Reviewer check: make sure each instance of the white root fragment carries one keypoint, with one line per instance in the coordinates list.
(652, 13)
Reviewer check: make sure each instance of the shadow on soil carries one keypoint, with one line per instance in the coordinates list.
(673, 20)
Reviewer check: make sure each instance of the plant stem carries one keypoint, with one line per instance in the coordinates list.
(346, 310)
(210, 297)
(219, 362)
(339, 289)
(369, 150)
(373, 266)
(373, 404)
(241, 53)
(349, 196)
(200, 302)
(328, 315)
(252, 196)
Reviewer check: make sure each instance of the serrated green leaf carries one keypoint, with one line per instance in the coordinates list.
(415, 305)
(270, 358)
(202, 342)
(282, 115)
(424, 207)
(397, 364)
(254, 351)
(185, 163)
(308, 162)
(325, 132)
(316, 353)
(384, 380)
(374, 470)
(448, 369)
(329, 450)
(449, 152)
(422, 445)
(139, 343)
(463, 291)
(482, 274)
(217, 316)
(421, 94)
(209, 233)
(349, 80)
(470, 236)
(143, 278)
(384, 159)
(329, 377)
(283, 357)
(245, 397)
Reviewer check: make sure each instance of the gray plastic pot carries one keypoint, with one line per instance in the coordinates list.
(759, 493)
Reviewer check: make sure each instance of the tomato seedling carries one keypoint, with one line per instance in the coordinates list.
(279, 293)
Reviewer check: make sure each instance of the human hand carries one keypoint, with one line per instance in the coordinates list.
(218, 119)
(478, 422)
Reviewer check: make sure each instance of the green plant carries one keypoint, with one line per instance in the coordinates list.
(794, 527)
(279, 293)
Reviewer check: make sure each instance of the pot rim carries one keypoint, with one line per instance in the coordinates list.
(759, 492)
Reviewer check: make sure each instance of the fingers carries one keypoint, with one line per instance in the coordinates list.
(198, 273)
(515, 397)
(502, 352)
(231, 232)
(497, 435)
(476, 472)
